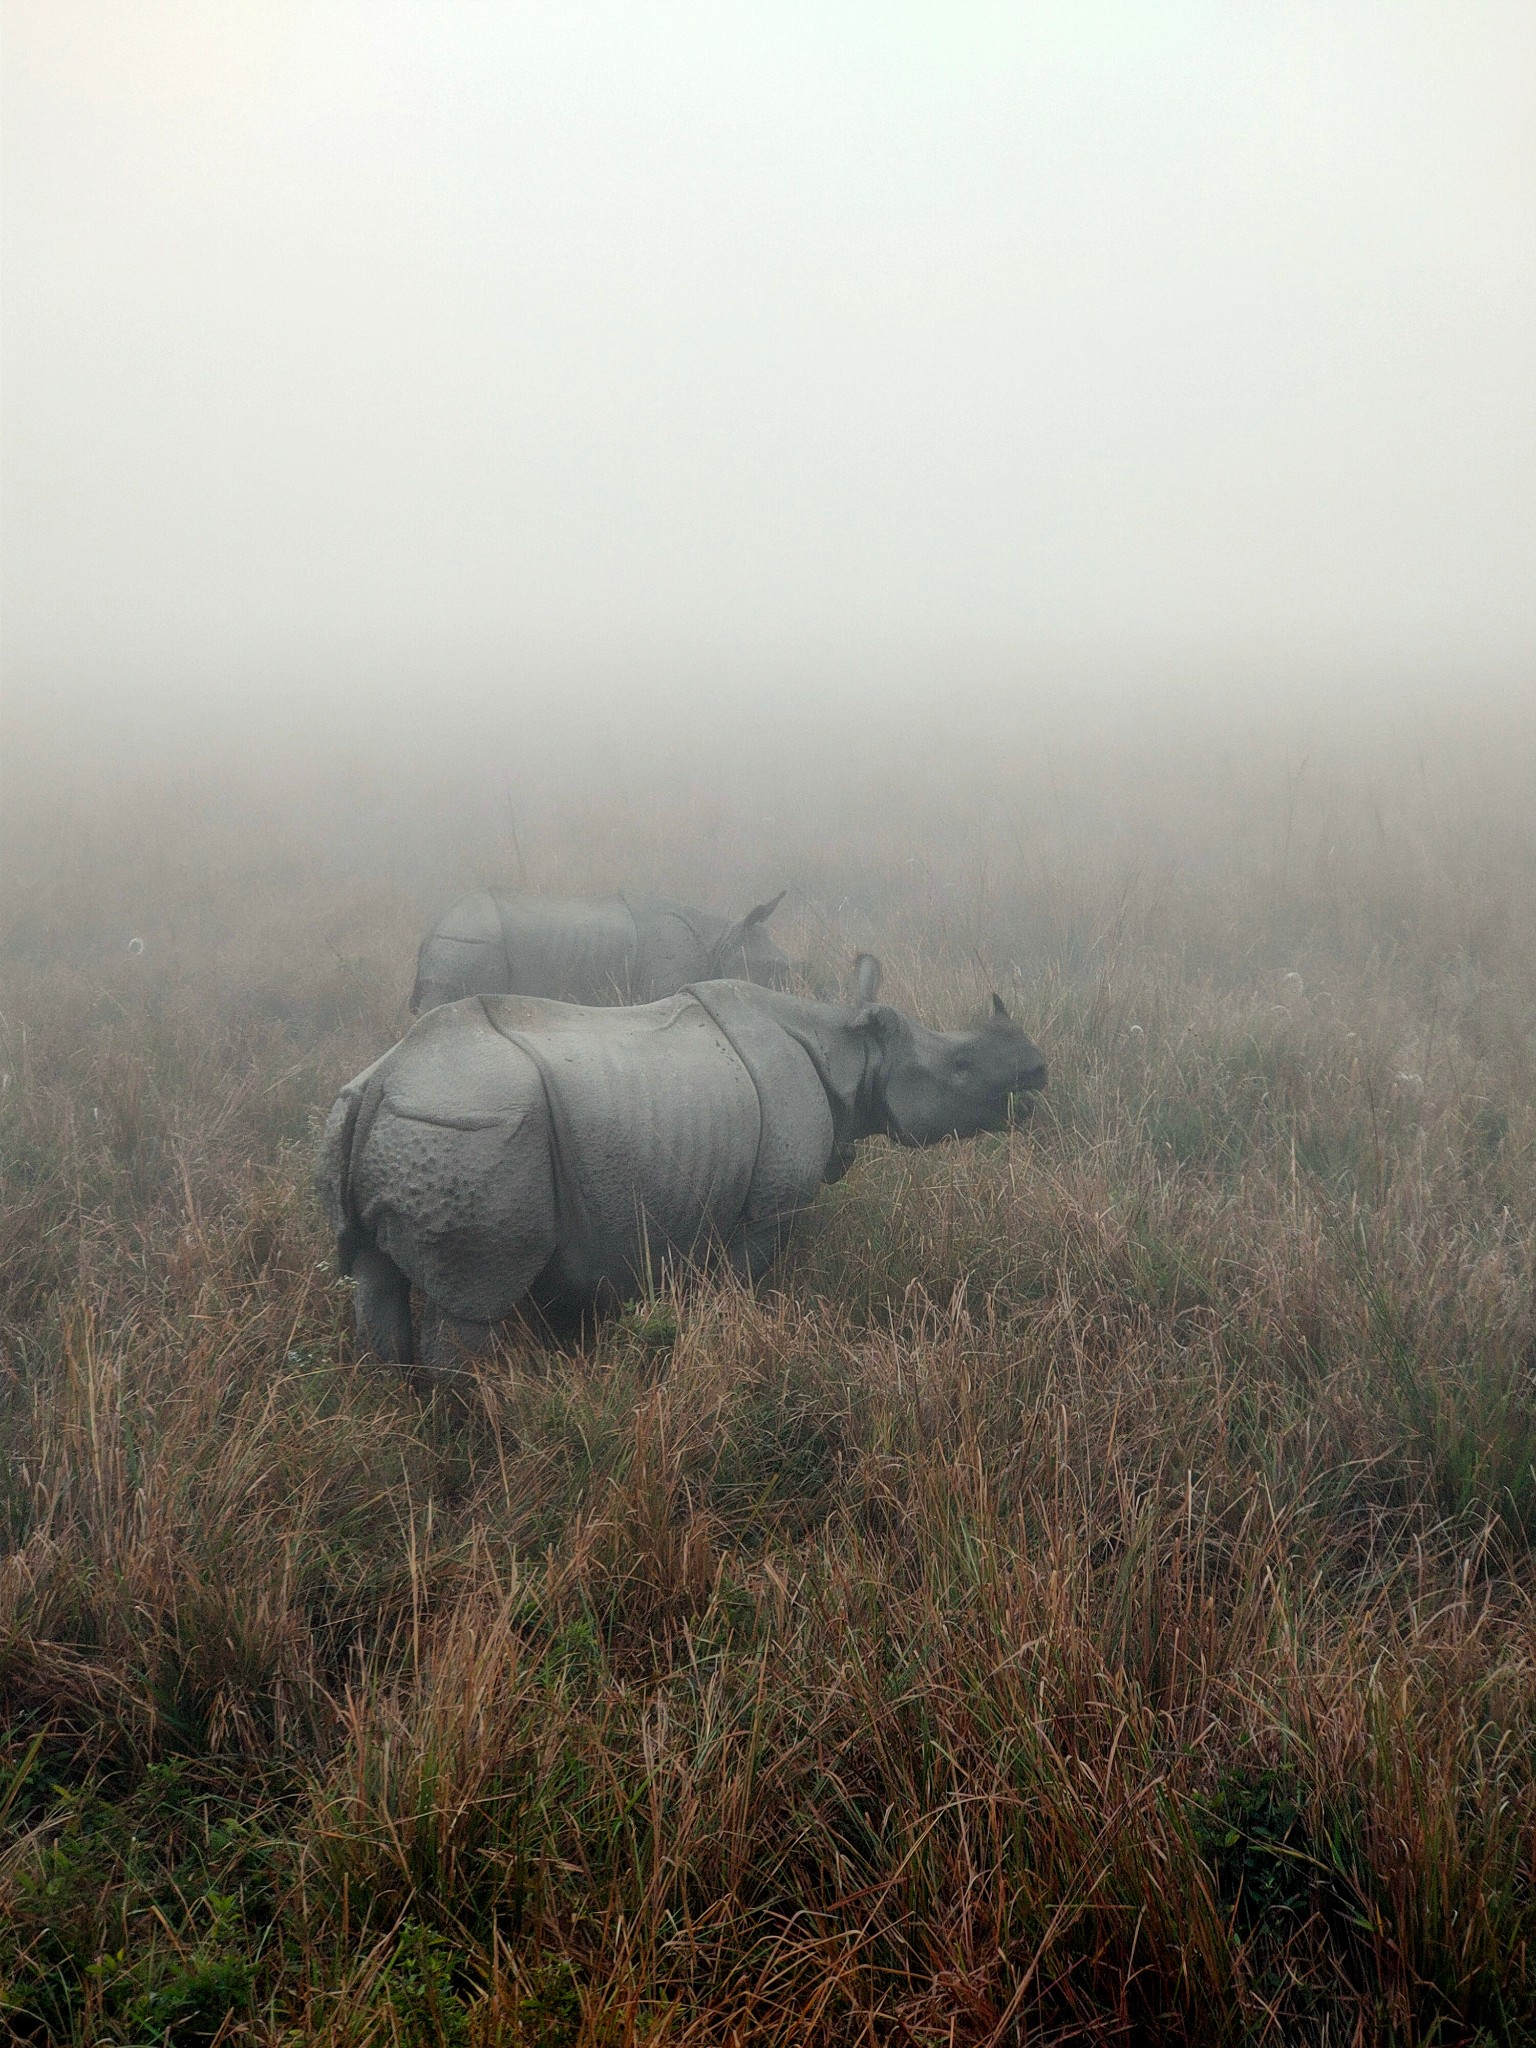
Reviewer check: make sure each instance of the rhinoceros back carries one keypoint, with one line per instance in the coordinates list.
(568, 948)
(574, 949)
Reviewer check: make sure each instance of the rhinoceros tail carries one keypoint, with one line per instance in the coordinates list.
(381, 1294)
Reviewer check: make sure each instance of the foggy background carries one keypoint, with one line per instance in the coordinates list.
(529, 386)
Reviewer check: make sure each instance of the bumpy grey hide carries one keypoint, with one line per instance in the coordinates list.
(509, 1146)
(606, 949)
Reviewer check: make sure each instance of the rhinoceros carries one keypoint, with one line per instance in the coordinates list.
(601, 949)
(510, 1147)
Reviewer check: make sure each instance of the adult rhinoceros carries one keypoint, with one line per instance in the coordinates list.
(599, 949)
(510, 1147)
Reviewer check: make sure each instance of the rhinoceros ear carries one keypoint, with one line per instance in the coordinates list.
(736, 934)
(999, 1007)
(867, 973)
(761, 913)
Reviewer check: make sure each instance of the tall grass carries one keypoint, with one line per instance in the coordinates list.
(1086, 1594)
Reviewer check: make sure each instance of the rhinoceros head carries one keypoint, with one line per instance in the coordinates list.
(952, 1084)
(745, 951)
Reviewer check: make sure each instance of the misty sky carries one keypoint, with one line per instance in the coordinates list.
(350, 338)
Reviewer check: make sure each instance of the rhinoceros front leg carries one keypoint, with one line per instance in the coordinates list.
(756, 1246)
(451, 1342)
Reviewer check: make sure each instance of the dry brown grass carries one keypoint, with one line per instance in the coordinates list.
(1087, 1595)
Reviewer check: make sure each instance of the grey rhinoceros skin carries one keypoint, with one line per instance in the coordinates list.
(600, 949)
(511, 1147)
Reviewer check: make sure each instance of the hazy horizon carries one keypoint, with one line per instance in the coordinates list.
(354, 354)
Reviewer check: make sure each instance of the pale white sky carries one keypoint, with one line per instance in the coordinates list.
(345, 339)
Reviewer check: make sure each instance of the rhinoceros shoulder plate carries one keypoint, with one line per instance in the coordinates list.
(797, 1128)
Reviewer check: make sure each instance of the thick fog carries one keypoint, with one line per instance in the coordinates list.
(370, 365)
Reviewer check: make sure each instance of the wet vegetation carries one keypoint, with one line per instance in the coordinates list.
(1086, 1594)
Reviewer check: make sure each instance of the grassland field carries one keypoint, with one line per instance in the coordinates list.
(1085, 1594)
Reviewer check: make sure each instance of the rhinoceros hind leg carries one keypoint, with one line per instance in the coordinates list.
(452, 1341)
(381, 1307)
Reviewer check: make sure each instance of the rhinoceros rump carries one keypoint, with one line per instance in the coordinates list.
(604, 949)
(511, 1147)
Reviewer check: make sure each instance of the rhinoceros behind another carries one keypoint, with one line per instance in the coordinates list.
(603, 949)
(510, 1147)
